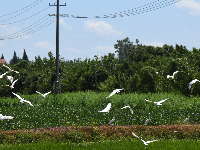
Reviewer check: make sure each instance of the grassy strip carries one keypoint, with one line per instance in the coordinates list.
(109, 145)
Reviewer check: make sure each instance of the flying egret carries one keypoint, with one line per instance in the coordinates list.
(184, 121)
(147, 121)
(168, 76)
(158, 103)
(145, 142)
(115, 91)
(12, 86)
(5, 117)
(129, 108)
(193, 81)
(10, 70)
(42, 95)
(113, 119)
(10, 78)
(22, 99)
(107, 108)
(1, 76)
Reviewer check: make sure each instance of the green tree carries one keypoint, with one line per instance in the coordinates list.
(25, 57)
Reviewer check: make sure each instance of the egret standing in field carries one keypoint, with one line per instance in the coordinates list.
(22, 99)
(168, 76)
(5, 117)
(129, 108)
(158, 103)
(193, 81)
(10, 70)
(113, 119)
(115, 91)
(145, 142)
(107, 108)
(42, 95)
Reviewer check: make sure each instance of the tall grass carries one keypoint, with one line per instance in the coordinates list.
(81, 109)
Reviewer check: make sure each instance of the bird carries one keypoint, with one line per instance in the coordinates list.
(10, 78)
(158, 103)
(22, 99)
(193, 81)
(184, 121)
(10, 70)
(129, 108)
(42, 95)
(168, 76)
(113, 119)
(107, 108)
(12, 86)
(115, 91)
(145, 142)
(5, 117)
(147, 121)
(1, 76)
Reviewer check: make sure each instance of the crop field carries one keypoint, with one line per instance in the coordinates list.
(81, 109)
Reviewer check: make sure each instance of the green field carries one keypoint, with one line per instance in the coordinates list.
(81, 109)
(110, 145)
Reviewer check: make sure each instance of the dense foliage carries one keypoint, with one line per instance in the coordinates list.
(137, 68)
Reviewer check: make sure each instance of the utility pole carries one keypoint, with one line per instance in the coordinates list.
(57, 47)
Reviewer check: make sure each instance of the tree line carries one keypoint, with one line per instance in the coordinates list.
(136, 68)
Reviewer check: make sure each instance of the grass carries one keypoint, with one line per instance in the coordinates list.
(110, 145)
(81, 109)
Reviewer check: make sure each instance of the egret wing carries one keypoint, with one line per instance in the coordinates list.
(135, 135)
(47, 93)
(107, 108)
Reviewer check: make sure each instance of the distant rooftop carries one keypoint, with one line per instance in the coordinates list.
(2, 61)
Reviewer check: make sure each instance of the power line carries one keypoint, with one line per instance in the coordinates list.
(22, 12)
(19, 10)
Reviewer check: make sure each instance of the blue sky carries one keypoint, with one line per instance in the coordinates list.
(177, 23)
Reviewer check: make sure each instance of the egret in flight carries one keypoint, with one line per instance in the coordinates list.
(12, 86)
(10, 78)
(42, 95)
(129, 108)
(1, 76)
(5, 117)
(22, 99)
(115, 91)
(158, 103)
(168, 76)
(145, 142)
(193, 81)
(10, 70)
(107, 108)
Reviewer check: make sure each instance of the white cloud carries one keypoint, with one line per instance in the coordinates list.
(192, 5)
(155, 44)
(2, 43)
(108, 49)
(73, 50)
(62, 23)
(100, 27)
(44, 45)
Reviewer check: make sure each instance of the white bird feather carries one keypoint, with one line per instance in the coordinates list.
(158, 103)
(43, 95)
(10, 70)
(129, 108)
(1, 76)
(12, 86)
(168, 76)
(5, 117)
(107, 108)
(192, 82)
(115, 91)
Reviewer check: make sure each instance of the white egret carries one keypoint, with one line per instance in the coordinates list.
(184, 121)
(10, 70)
(129, 108)
(168, 76)
(5, 117)
(12, 86)
(10, 78)
(158, 103)
(1, 76)
(107, 108)
(113, 119)
(22, 99)
(115, 91)
(42, 95)
(145, 142)
(147, 121)
(193, 81)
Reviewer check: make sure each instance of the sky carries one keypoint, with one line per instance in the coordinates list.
(27, 25)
